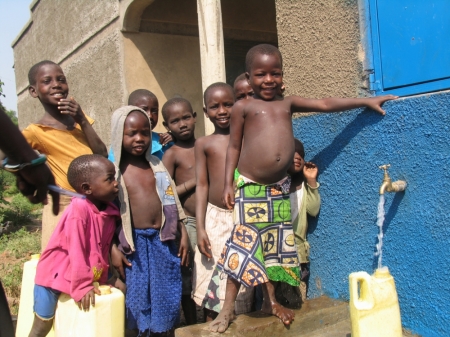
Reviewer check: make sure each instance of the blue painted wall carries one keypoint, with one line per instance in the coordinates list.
(413, 137)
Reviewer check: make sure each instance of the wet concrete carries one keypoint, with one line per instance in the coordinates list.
(320, 317)
(314, 315)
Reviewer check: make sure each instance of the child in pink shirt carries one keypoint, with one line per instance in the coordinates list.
(77, 253)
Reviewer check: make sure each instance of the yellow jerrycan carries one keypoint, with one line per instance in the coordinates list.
(26, 315)
(106, 319)
(374, 309)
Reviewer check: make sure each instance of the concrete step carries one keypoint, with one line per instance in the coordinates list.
(320, 317)
(314, 315)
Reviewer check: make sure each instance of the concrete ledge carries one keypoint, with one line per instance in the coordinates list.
(317, 314)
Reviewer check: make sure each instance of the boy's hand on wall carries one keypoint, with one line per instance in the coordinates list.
(203, 243)
(70, 107)
(375, 103)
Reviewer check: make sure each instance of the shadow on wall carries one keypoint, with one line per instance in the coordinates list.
(325, 157)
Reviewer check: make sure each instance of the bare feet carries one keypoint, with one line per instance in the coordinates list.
(223, 320)
(274, 308)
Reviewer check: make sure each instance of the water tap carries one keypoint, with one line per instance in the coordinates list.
(387, 185)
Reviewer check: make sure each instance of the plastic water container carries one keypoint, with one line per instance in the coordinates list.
(374, 309)
(106, 319)
(26, 315)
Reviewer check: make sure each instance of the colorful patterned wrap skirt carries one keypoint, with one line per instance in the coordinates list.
(261, 246)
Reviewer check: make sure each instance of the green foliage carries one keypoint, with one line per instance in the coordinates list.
(7, 181)
(20, 211)
(19, 245)
(12, 115)
(1, 89)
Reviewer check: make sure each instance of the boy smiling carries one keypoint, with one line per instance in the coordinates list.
(260, 194)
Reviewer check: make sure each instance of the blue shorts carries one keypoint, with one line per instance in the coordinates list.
(45, 300)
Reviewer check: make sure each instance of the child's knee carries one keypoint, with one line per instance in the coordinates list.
(41, 326)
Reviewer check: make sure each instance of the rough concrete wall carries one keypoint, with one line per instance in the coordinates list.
(319, 41)
(348, 148)
(81, 36)
(167, 65)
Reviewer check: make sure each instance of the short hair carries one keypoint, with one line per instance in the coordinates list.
(298, 143)
(261, 49)
(34, 70)
(82, 168)
(241, 77)
(217, 85)
(173, 101)
(135, 95)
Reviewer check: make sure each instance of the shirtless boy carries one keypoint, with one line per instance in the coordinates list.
(214, 223)
(151, 215)
(259, 172)
(179, 120)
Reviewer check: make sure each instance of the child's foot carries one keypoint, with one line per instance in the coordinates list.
(284, 314)
(223, 320)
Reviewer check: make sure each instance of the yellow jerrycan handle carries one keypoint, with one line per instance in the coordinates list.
(364, 299)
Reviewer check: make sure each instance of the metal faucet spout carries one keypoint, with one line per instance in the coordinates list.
(384, 186)
(387, 185)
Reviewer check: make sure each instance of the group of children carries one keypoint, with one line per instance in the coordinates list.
(216, 212)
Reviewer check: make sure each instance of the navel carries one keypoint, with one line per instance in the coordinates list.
(278, 158)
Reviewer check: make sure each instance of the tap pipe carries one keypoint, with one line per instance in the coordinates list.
(387, 185)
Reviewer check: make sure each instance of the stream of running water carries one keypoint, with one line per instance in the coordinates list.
(380, 221)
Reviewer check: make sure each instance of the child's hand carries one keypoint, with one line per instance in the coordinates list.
(165, 138)
(228, 197)
(118, 283)
(375, 103)
(203, 243)
(88, 299)
(310, 171)
(183, 251)
(118, 260)
(70, 107)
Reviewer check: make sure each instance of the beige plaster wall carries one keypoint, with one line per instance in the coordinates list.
(319, 41)
(83, 37)
(167, 65)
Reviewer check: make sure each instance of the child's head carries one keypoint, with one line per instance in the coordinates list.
(179, 118)
(136, 133)
(93, 176)
(147, 101)
(219, 99)
(264, 70)
(47, 82)
(299, 158)
(242, 90)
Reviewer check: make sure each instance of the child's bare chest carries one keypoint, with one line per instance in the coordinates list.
(143, 197)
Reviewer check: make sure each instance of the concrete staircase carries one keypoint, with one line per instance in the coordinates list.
(320, 317)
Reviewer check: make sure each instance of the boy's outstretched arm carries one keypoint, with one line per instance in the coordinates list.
(233, 152)
(201, 197)
(72, 108)
(300, 104)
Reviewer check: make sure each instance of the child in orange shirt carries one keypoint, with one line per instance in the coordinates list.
(62, 134)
